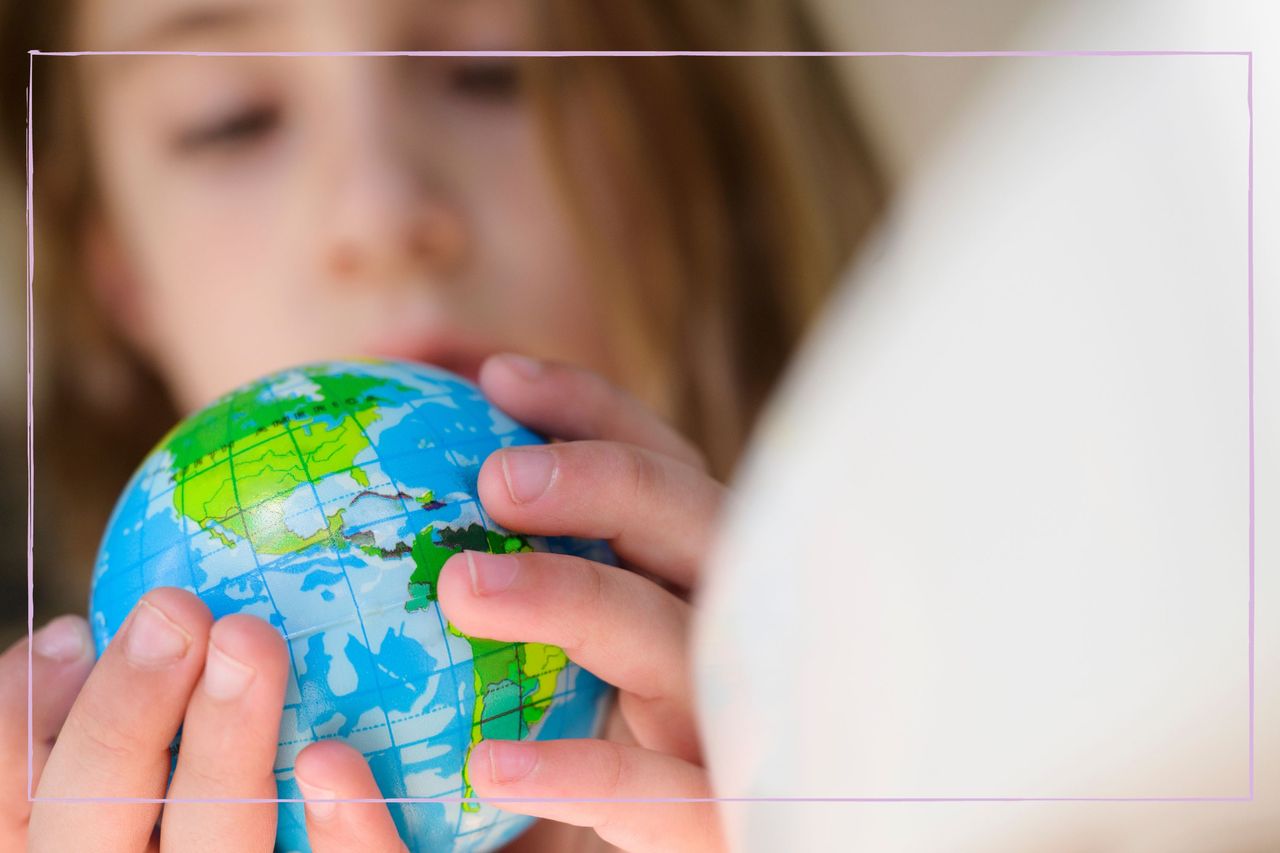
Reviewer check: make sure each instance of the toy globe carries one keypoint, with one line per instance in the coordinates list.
(325, 499)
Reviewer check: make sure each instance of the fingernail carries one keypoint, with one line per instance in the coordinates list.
(510, 760)
(154, 639)
(528, 368)
(225, 678)
(319, 800)
(528, 471)
(63, 639)
(490, 574)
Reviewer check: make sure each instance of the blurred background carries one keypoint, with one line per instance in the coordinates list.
(1027, 417)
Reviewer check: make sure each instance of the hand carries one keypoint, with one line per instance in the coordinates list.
(619, 473)
(626, 476)
(169, 664)
(622, 475)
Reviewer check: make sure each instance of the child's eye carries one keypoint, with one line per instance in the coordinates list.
(240, 128)
(491, 79)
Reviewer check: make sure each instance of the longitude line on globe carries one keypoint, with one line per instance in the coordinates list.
(253, 551)
(315, 493)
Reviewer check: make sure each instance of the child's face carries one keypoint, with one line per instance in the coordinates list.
(259, 212)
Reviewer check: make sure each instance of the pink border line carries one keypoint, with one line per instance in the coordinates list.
(1252, 707)
(31, 456)
(623, 53)
(642, 53)
(1240, 799)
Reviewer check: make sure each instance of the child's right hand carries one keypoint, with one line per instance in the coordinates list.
(104, 730)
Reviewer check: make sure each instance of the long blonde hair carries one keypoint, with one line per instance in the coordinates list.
(751, 172)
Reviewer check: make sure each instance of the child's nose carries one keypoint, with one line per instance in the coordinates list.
(391, 221)
(393, 234)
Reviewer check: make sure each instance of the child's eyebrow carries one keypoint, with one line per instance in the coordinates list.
(194, 20)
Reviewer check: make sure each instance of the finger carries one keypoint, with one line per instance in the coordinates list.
(115, 742)
(572, 403)
(332, 770)
(229, 740)
(593, 772)
(654, 510)
(612, 622)
(59, 659)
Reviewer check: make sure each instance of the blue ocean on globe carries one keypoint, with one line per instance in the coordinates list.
(325, 499)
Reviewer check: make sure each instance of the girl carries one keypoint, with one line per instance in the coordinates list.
(652, 235)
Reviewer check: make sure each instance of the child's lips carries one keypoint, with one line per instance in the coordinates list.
(464, 360)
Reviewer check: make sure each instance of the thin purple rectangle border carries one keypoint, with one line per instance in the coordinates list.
(610, 53)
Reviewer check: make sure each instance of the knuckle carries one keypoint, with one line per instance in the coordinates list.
(589, 598)
(592, 590)
(198, 771)
(103, 733)
(643, 473)
(613, 769)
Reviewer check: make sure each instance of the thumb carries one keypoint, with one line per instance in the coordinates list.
(60, 656)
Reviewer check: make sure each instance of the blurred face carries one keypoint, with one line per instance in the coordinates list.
(263, 211)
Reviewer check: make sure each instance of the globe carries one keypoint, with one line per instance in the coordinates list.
(325, 499)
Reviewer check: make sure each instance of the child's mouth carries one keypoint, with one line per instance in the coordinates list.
(457, 354)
